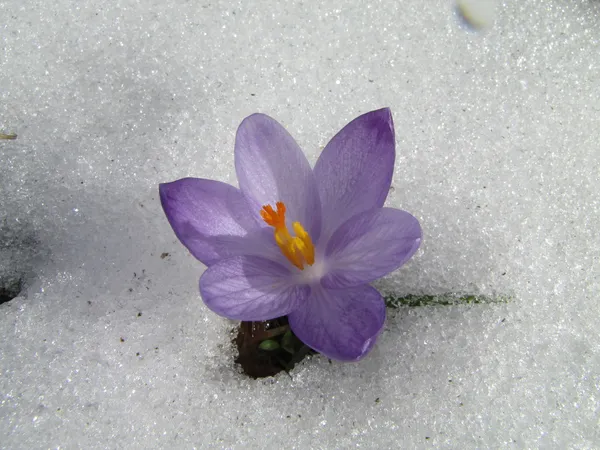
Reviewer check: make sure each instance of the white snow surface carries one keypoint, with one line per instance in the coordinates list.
(109, 344)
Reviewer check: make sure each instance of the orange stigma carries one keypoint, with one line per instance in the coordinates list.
(299, 249)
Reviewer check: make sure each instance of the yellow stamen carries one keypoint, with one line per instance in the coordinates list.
(299, 249)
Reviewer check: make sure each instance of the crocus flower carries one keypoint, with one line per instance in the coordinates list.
(298, 241)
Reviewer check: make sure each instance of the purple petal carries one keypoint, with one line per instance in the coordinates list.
(342, 324)
(209, 217)
(354, 172)
(271, 167)
(251, 288)
(369, 246)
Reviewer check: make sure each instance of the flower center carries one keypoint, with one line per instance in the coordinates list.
(299, 249)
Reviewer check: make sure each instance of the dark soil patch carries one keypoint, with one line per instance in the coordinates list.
(269, 347)
(10, 289)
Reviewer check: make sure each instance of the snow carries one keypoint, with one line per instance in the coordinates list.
(108, 344)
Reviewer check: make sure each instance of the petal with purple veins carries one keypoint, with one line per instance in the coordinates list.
(342, 324)
(209, 217)
(369, 246)
(271, 167)
(354, 171)
(251, 288)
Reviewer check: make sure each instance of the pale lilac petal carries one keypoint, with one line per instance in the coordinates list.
(369, 246)
(251, 288)
(354, 172)
(209, 217)
(271, 167)
(342, 324)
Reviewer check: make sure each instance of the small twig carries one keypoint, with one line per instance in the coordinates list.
(11, 136)
(276, 331)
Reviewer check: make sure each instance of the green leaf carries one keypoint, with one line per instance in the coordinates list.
(268, 345)
(411, 300)
(287, 342)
